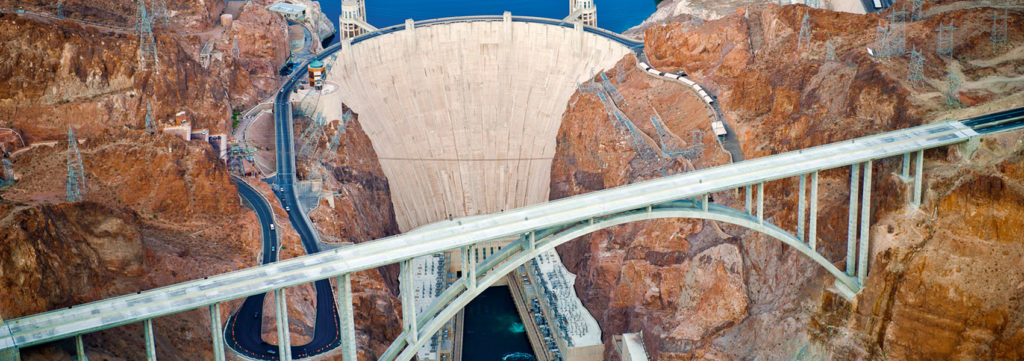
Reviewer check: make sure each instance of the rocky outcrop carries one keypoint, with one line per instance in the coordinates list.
(64, 72)
(149, 219)
(775, 303)
(361, 212)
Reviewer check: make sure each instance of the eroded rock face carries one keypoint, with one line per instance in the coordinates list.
(780, 98)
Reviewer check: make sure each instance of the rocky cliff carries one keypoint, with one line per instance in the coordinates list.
(57, 73)
(702, 290)
(158, 210)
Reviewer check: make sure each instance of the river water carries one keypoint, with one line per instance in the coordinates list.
(614, 15)
(493, 330)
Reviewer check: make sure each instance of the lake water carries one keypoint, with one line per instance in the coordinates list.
(614, 15)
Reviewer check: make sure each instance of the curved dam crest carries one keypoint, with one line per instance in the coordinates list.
(463, 116)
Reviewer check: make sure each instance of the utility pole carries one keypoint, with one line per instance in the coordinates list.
(952, 90)
(999, 24)
(915, 68)
(805, 33)
(916, 10)
(147, 44)
(945, 44)
(76, 171)
(150, 127)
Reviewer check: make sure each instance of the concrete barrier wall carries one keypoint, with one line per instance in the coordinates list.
(463, 116)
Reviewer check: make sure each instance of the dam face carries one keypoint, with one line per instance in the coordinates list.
(463, 116)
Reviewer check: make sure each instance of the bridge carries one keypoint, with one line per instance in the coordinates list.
(536, 228)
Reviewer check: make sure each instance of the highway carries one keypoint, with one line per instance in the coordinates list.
(318, 266)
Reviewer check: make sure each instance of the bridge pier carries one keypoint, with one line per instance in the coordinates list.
(865, 226)
(760, 203)
(812, 237)
(407, 291)
(347, 319)
(917, 177)
(851, 230)
(800, 209)
(284, 344)
(147, 326)
(217, 333)
(80, 349)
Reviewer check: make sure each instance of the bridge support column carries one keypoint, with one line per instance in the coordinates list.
(345, 314)
(469, 268)
(147, 327)
(284, 343)
(800, 209)
(812, 236)
(532, 241)
(865, 226)
(747, 195)
(905, 173)
(80, 349)
(760, 203)
(704, 203)
(918, 171)
(216, 332)
(407, 290)
(851, 226)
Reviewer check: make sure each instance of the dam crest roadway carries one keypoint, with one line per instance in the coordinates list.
(536, 228)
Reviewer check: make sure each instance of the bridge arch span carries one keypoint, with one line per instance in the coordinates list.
(460, 294)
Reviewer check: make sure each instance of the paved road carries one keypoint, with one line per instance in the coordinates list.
(244, 330)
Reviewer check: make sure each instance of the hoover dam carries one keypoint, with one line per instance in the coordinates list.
(463, 115)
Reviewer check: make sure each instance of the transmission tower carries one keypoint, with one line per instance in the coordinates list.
(952, 89)
(999, 23)
(805, 33)
(147, 44)
(234, 46)
(150, 127)
(830, 52)
(696, 19)
(8, 174)
(311, 136)
(160, 11)
(944, 45)
(915, 67)
(60, 11)
(76, 171)
(916, 10)
(899, 16)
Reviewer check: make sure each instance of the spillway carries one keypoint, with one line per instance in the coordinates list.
(463, 116)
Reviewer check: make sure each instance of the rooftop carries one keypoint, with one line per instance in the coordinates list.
(288, 9)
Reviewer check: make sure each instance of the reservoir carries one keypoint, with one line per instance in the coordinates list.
(614, 15)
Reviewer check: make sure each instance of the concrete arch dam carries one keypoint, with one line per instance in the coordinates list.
(463, 115)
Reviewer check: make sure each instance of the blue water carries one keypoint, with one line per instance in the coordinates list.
(492, 329)
(614, 15)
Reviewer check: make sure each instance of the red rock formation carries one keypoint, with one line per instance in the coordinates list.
(779, 99)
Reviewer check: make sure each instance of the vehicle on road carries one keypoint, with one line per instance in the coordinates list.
(271, 226)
